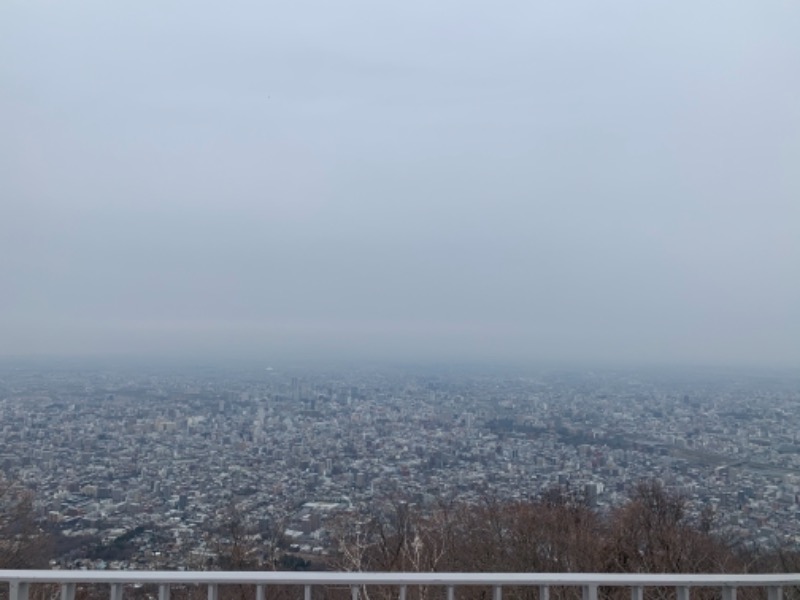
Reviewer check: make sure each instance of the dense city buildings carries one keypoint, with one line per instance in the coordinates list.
(168, 459)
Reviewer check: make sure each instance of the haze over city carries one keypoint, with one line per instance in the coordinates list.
(610, 182)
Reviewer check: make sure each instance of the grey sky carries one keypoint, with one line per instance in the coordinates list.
(532, 180)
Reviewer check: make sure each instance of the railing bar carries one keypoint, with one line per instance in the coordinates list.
(20, 581)
(722, 582)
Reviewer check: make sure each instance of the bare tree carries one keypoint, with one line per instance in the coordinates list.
(23, 544)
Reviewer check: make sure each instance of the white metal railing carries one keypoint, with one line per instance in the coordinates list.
(20, 580)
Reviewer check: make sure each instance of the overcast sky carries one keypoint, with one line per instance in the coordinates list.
(536, 180)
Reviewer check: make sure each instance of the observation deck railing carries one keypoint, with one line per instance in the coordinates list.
(19, 582)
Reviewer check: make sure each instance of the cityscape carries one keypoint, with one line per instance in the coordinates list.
(141, 468)
(399, 300)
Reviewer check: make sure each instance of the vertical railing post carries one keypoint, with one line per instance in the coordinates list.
(497, 593)
(451, 593)
(307, 592)
(213, 591)
(354, 592)
(18, 590)
(729, 593)
(260, 595)
(116, 591)
(67, 591)
(163, 591)
(403, 591)
(775, 592)
(682, 592)
(589, 592)
(637, 592)
(544, 592)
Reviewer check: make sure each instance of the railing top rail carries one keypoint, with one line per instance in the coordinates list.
(351, 578)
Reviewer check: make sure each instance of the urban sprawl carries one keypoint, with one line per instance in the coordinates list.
(163, 459)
